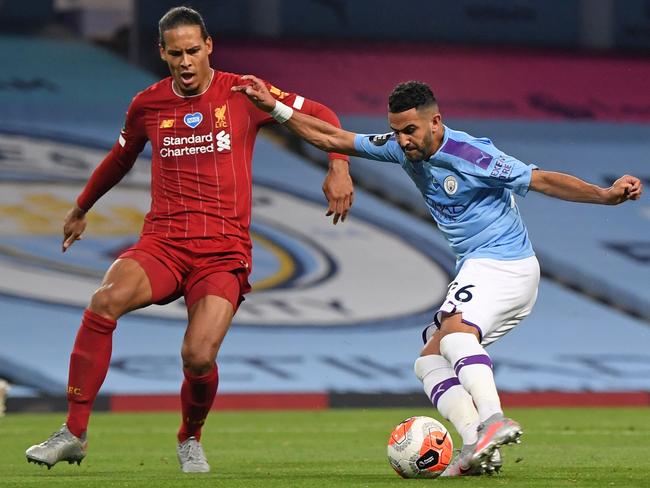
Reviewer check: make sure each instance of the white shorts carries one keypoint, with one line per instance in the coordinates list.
(493, 296)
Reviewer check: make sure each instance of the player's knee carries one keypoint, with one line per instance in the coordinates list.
(197, 362)
(422, 366)
(109, 303)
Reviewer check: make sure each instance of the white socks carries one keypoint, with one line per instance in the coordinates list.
(444, 389)
(473, 367)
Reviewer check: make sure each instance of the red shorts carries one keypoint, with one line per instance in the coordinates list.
(192, 268)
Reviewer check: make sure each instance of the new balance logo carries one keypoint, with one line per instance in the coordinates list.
(223, 141)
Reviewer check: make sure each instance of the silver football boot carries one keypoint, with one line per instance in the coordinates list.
(191, 456)
(462, 465)
(495, 432)
(63, 445)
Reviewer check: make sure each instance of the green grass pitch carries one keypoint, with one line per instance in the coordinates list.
(335, 448)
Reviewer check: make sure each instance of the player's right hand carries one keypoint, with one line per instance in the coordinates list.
(74, 224)
(257, 92)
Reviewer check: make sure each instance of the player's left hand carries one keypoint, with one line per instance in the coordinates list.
(338, 190)
(257, 92)
(625, 188)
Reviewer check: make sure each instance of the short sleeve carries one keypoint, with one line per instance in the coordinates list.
(488, 167)
(507, 172)
(380, 147)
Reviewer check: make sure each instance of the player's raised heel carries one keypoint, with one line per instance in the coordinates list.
(464, 464)
(191, 456)
(63, 445)
(461, 464)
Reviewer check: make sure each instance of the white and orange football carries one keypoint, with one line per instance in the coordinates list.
(420, 447)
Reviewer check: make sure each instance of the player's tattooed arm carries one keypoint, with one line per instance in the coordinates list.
(571, 188)
(74, 225)
(315, 131)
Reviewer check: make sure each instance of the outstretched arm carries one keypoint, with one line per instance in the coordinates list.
(315, 131)
(567, 187)
(337, 187)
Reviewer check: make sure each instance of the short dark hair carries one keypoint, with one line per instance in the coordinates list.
(178, 16)
(410, 94)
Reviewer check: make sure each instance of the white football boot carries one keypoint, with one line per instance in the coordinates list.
(191, 456)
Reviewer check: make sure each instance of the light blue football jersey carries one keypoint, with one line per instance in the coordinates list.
(468, 186)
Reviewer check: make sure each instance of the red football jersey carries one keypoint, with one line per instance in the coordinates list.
(202, 146)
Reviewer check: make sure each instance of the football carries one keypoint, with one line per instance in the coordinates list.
(420, 447)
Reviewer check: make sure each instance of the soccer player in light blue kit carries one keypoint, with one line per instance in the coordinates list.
(469, 187)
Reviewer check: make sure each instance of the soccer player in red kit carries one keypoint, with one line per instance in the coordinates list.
(195, 240)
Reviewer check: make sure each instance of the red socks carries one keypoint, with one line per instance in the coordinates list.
(89, 363)
(197, 395)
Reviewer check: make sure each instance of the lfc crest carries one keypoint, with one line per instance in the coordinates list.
(220, 117)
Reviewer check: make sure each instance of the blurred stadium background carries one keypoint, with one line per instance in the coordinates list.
(336, 314)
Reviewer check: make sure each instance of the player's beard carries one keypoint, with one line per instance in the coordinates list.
(417, 153)
(420, 152)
